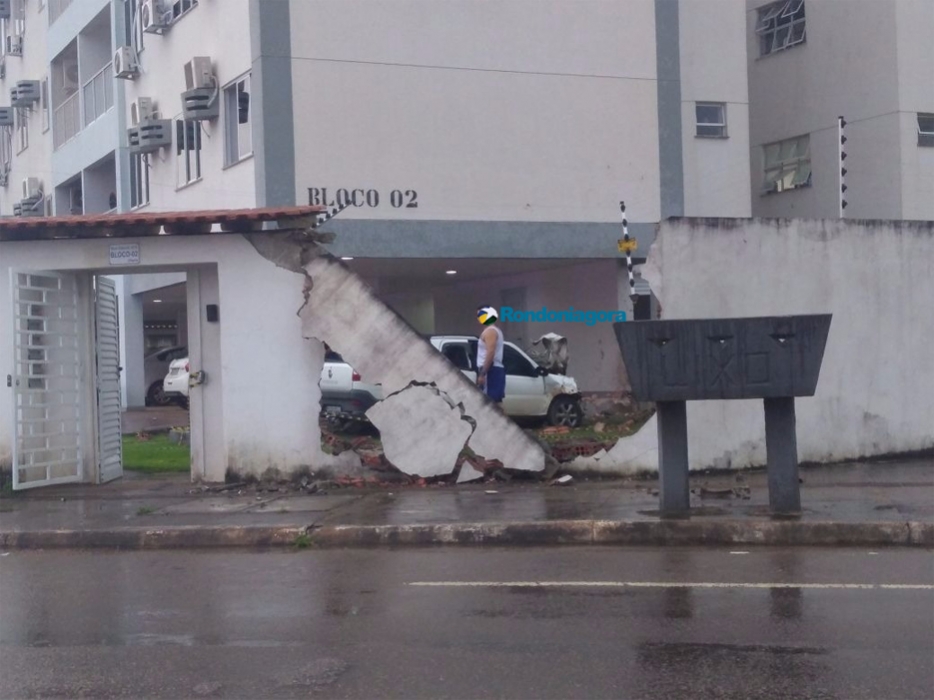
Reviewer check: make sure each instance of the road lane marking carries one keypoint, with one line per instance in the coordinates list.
(666, 584)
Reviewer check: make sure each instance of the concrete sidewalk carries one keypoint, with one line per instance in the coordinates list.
(862, 504)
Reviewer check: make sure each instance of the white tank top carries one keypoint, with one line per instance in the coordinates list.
(497, 356)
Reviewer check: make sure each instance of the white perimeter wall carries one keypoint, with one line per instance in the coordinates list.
(260, 404)
(875, 395)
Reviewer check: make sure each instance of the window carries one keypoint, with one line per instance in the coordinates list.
(926, 129)
(458, 354)
(139, 180)
(780, 26)
(180, 7)
(133, 25)
(44, 104)
(787, 164)
(188, 150)
(22, 129)
(517, 365)
(711, 119)
(237, 122)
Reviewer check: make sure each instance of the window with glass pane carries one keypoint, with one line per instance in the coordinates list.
(139, 180)
(926, 130)
(780, 26)
(711, 119)
(188, 150)
(238, 121)
(787, 164)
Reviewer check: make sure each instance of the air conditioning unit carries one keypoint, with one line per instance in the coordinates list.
(71, 79)
(6, 116)
(141, 110)
(199, 73)
(6, 9)
(32, 188)
(25, 93)
(150, 135)
(153, 18)
(125, 65)
(14, 45)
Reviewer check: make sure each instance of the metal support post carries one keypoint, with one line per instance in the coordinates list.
(781, 446)
(674, 494)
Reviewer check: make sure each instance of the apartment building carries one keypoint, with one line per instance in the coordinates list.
(480, 149)
(812, 61)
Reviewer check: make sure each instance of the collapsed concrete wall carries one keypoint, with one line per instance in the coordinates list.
(875, 395)
(341, 309)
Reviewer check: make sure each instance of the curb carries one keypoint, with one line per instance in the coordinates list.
(561, 532)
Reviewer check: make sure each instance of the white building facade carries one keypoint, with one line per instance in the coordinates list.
(482, 148)
(812, 61)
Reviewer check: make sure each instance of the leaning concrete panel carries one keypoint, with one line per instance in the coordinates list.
(344, 311)
(422, 433)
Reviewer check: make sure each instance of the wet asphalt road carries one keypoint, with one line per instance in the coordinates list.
(689, 624)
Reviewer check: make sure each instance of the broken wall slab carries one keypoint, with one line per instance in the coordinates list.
(422, 433)
(342, 309)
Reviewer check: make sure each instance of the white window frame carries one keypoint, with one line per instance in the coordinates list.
(188, 154)
(234, 130)
(137, 35)
(781, 25)
(21, 117)
(786, 164)
(926, 129)
(180, 8)
(139, 180)
(709, 129)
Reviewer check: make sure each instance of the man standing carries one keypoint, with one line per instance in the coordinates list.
(491, 375)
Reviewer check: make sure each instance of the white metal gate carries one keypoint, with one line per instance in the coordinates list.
(46, 413)
(109, 406)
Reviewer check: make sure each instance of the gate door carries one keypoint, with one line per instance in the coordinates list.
(46, 413)
(109, 406)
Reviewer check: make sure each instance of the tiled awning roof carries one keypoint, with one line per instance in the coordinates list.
(139, 224)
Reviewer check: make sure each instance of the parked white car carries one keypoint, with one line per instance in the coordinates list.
(155, 367)
(175, 384)
(345, 397)
(531, 391)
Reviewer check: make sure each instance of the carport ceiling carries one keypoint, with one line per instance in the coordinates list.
(164, 303)
(404, 274)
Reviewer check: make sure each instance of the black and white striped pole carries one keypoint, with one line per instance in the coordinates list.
(841, 143)
(627, 244)
(327, 216)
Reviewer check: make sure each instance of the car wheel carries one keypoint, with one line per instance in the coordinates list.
(156, 395)
(566, 411)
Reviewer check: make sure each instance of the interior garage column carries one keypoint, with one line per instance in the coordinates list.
(133, 377)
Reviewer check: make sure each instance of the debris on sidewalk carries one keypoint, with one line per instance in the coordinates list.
(563, 480)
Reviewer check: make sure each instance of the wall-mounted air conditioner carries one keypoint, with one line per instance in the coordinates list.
(14, 45)
(199, 73)
(71, 79)
(201, 99)
(153, 18)
(6, 116)
(32, 187)
(141, 109)
(125, 65)
(6, 9)
(151, 135)
(25, 93)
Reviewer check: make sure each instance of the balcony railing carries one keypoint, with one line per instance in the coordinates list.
(98, 94)
(56, 8)
(66, 120)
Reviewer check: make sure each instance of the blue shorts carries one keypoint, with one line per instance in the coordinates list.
(495, 386)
